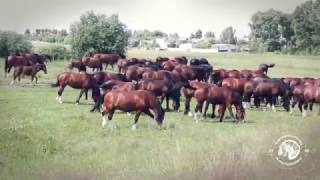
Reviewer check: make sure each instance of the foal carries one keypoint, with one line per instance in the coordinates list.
(28, 71)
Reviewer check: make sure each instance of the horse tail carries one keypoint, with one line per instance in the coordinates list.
(271, 65)
(55, 84)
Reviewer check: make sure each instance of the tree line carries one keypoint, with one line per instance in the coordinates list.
(295, 33)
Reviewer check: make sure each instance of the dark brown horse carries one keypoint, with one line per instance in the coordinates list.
(128, 101)
(102, 77)
(108, 59)
(220, 74)
(76, 64)
(311, 95)
(14, 61)
(160, 75)
(122, 63)
(271, 90)
(93, 63)
(82, 81)
(28, 71)
(223, 96)
(264, 67)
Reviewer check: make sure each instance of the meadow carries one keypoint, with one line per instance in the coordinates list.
(42, 139)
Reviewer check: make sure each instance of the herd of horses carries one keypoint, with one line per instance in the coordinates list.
(141, 86)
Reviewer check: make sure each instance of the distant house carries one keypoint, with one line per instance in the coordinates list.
(162, 42)
(224, 47)
(186, 46)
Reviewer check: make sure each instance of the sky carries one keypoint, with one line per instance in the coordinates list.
(181, 16)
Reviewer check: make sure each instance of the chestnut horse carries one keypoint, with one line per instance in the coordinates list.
(311, 95)
(93, 63)
(135, 72)
(28, 71)
(108, 59)
(223, 96)
(139, 101)
(112, 85)
(82, 81)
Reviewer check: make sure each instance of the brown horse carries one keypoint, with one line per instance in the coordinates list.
(108, 59)
(14, 61)
(186, 72)
(235, 84)
(311, 95)
(76, 64)
(82, 81)
(223, 96)
(160, 75)
(220, 74)
(102, 77)
(264, 67)
(93, 63)
(28, 71)
(164, 89)
(128, 101)
(297, 97)
(135, 72)
(271, 90)
(122, 63)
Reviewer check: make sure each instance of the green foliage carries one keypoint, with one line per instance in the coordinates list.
(97, 33)
(47, 35)
(228, 36)
(258, 46)
(206, 43)
(57, 51)
(306, 26)
(298, 32)
(12, 43)
(272, 28)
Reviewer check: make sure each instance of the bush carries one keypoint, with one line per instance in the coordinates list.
(96, 33)
(257, 46)
(13, 43)
(54, 50)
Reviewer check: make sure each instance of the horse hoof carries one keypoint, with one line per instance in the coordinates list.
(190, 114)
(76, 103)
(133, 127)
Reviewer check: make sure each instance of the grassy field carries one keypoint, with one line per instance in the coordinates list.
(42, 139)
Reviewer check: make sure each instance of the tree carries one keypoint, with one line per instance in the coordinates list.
(97, 33)
(198, 34)
(13, 43)
(228, 36)
(306, 25)
(273, 28)
(209, 34)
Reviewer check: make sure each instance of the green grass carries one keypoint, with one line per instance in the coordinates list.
(42, 139)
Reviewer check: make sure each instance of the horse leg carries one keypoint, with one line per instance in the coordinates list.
(206, 109)
(136, 118)
(198, 109)
(147, 112)
(292, 106)
(304, 110)
(187, 106)
(81, 92)
(86, 94)
(60, 91)
(167, 103)
(300, 106)
(213, 111)
(310, 106)
(231, 113)
(222, 110)
(273, 102)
